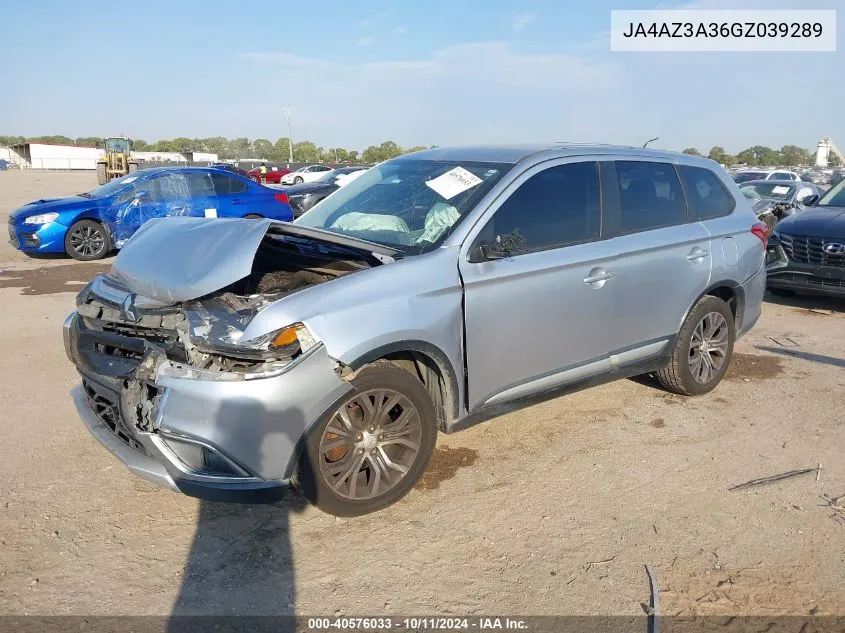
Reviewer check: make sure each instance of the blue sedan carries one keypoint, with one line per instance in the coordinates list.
(88, 226)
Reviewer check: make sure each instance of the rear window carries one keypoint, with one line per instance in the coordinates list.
(707, 197)
(650, 196)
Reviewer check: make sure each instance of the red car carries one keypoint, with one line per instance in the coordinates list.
(274, 174)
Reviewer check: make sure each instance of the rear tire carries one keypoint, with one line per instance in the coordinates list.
(253, 216)
(102, 174)
(703, 349)
(385, 452)
(87, 240)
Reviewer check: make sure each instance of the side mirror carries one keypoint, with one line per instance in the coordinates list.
(502, 247)
(809, 201)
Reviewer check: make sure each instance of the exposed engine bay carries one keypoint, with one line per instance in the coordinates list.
(205, 334)
(771, 212)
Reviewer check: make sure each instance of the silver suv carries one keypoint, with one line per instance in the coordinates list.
(229, 359)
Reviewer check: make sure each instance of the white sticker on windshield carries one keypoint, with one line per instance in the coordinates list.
(453, 182)
(126, 181)
(780, 190)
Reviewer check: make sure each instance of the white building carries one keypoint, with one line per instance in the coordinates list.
(45, 156)
(159, 157)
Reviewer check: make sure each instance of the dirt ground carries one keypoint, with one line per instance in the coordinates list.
(551, 510)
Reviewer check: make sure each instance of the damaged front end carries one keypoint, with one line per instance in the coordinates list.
(177, 381)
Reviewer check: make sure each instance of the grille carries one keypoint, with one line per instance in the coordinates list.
(810, 250)
(812, 281)
(107, 411)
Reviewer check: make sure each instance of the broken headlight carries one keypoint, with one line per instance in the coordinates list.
(287, 341)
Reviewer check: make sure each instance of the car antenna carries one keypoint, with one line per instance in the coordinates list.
(649, 141)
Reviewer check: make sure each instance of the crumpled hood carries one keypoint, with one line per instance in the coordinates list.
(176, 259)
(47, 205)
(816, 222)
(170, 260)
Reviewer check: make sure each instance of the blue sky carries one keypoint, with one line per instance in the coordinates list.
(438, 72)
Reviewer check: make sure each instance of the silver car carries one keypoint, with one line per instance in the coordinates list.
(230, 359)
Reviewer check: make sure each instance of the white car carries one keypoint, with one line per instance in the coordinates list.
(747, 175)
(304, 174)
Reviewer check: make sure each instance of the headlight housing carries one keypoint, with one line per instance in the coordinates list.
(42, 218)
(286, 341)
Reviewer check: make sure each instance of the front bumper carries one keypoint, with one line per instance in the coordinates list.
(785, 274)
(37, 238)
(255, 426)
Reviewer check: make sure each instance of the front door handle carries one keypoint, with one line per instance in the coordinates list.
(237, 201)
(598, 276)
(697, 254)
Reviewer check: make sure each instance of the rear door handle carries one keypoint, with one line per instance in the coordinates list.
(697, 253)
(598, 275)
(237, 201)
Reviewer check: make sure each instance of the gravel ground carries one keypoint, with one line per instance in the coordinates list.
(551, 510)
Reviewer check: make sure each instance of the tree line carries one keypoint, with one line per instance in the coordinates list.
(308, 152)
(240, 148)
(762, 156)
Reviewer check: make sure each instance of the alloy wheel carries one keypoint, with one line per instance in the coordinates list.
(87, 241)
(370, 444)
(708, 347)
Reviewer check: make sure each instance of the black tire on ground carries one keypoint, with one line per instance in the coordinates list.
(781, 292)
(677, 376)
(132, 167)
(102, 174)
(377, 375)
(253, 216)
(87, 240)
(298, 180)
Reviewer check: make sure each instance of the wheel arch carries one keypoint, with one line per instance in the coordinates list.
(430, 364)
(728, 291)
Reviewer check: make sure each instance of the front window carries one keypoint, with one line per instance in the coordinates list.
(771, 191)
(410, 205)
(835, 196)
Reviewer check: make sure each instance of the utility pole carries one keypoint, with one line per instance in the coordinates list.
(288, 117)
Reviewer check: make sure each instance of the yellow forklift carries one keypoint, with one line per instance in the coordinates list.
(116, 162)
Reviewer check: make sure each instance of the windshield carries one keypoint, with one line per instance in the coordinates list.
(409, 205)
(767, 190)
(117, 145)
(113, 186)
(745, 176)
(835, 196)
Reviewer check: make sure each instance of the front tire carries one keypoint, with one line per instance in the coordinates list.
(298, 180)
(703, 349)
(87, 240)
(132, 167)
(373, 445)
(102, 174)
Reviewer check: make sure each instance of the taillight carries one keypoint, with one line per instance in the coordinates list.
(282, 197)
(761, 231)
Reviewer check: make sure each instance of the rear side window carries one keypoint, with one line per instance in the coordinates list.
(706, 195)
(199, 184)
(650, 196)
(226, 185)
(558, 206)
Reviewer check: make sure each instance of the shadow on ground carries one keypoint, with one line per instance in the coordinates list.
(807, 303)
